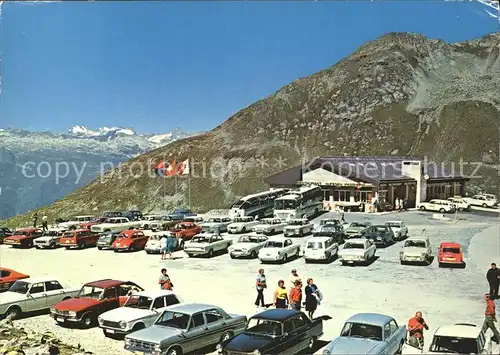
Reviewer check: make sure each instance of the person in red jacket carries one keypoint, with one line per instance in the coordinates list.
(490, 318)
(416, 326)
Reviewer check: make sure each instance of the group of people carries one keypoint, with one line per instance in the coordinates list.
(167, 246)
(45, 223)
(291, 297)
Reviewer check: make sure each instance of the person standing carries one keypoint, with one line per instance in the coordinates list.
(311, 298)
(490, 318)
(35, 219)
(163, 247)
(170, 245)
(45, 226)
(493, 277)
(294, 277)
(280, 296)
(295, 296)
(164, 281)
(260, 286)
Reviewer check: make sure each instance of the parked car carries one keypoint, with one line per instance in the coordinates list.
(356, 229)
(399, 229)
(112, 214)
(481, 200)
(74, 222)
(461, 338)
(206, 244)
(276, 331)
(368, 333)
(216, 224)
(460, 204)
(133, 215)
(186, 230)
(151, 221)
(130, 240)
(92, 222)
(193, 219)
(247, 246)
(451, 254)
(298, 228)
(242, 224)
(278, 249)
(139, 312)
(4, 233)
(179, 214)
(8, 277)
(381, 235)
(106, 240)
(23, 238)
(33, 294)
(321, 249)
(93, 299)
(436, 205)
(153, 246)
(49, 239)
(115, 224)
(269, 226)
(334, 221)
(416, 250)
(331, 230)
(186, 328)
(357, 251)
(167, 224)
(79, 238)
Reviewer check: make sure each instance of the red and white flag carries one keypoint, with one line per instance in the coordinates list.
(165, 168)
(183, 168)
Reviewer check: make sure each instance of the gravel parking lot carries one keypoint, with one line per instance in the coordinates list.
(444, 295)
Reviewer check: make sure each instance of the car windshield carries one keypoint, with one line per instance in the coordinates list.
(140, 302)
(285, 204)
(67, 234)
(454, 345)
(249, 239)
(296, 223)
(263, 327)
(238, 204)
(105, 237)
(415, 243)
(173, 320)
(380, 228)
(19, 287)
(273, 244)
(200, 240)
(91, 292)
(243, 219)
(451, 250)
(20, 232)
(357, 225)
(394, 224)
(359, 330)
(315, 245)
(354, 246)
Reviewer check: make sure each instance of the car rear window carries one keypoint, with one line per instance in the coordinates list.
(451, 250)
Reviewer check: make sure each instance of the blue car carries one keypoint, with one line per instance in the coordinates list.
(180, 213)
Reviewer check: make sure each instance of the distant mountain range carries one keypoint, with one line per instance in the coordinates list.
(82, 151)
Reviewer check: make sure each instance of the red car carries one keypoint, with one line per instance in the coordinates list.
(130, 240)
(8, 277)
(23, 238)
(94, 221)
(451, 254)
(186, 230)
(79, 238)
(94, 299)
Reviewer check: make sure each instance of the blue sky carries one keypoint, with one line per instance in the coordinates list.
(154, 66)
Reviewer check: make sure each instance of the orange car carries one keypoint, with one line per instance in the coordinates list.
(79, 238)
(186, 230)
(23, 238)
(451, 254)
(8, 277)
(130, 240)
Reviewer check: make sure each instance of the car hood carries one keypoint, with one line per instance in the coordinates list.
(17, 237)
(354, 229)
(247, 343)
(46, 238)
(347, 346)
(76, 304)
(293, 227)
(9, 297)
(262, 226)
(155, 334)
(126, 314)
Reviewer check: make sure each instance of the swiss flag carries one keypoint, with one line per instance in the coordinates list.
(183, 168)
(165, 168)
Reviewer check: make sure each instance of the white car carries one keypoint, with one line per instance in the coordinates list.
(357, 251)
(153, 245)
(214, 224)
(320, 249)
(399, 229)
(242, 224)
(270, 226)
(33, 294)
(115, 224)
(460, 204)
(481, 200)
(416, 250)
(278, 249)
(49, 239)
(74, 222)
(436, 205)
(153, 222)
(334, 221)
(205, 244)
(247, 246)
(461, 338)
(139, 311)
(298, 228)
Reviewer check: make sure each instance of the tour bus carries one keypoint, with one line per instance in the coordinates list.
(302, 203)
(258, 205)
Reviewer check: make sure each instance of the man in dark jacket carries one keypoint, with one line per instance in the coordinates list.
(493, 277)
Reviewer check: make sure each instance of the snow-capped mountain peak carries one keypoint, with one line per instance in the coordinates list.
(83, 131)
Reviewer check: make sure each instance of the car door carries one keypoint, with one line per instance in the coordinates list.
(215, 325)
(55, 292)
(301, 332)
(110, 299)
(289, 344)
(36, 297)
(197, 335)
(389, 339)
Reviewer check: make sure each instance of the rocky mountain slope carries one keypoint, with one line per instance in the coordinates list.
(38, 168)
(401, 94)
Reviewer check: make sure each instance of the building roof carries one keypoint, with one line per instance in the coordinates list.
(459, 331)
(370, 318)
(276, 314)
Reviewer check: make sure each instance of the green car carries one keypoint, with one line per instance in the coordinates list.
(106, 240)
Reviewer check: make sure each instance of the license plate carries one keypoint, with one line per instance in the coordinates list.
(67, 241)
(59, 319)
(111, 331)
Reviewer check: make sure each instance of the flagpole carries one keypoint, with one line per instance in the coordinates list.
(164, 187)
(189, 182)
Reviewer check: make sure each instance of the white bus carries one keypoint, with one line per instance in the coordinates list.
(260, 204)
(302, 203)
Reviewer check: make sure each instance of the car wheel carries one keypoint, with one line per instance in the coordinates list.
(174, 351)
(225, 337)
(311, 343)
(81, 245)
(53, 245)
(132, 247)
(243, 230)
(72, 228)
(460, 208)
(343, 263)
(190, 255)
(99, 248)
(67, 248)
(272, 231)
(485, 205)
(232, 256)
(138, 326)
(422, 208)
(210, 253)
(13, 312)
(441, 210)
(306, 261)
(253, 254)
(88, 319)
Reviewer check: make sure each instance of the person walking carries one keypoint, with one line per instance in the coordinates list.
(295, 296)
(294, 277)
(35, 219)
(164, 281)
(280, 296)
(493, 277)
(170, 245)
(416, 326)
(311, 298)
(490, 318)
(260, 286)
(45, 226)
(163, 247)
